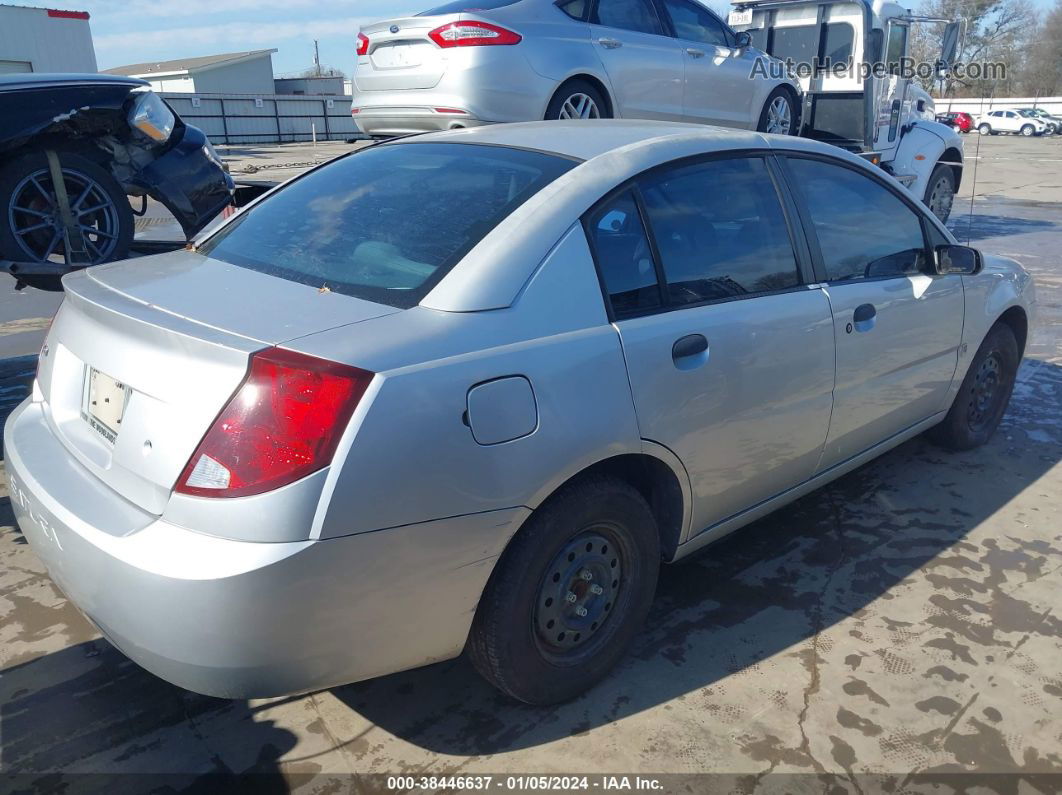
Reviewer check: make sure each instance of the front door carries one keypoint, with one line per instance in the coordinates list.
(897, 327)
(730, 354)
(644, 65)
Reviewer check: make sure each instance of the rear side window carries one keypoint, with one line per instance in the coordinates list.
(623, 256)
(720, 230)
(576, 9)
(466, 5)
(387, 223)
(637, 15)
(864, 230)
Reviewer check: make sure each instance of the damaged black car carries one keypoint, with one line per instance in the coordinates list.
(112, 139)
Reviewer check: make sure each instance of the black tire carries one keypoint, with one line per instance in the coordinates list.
(509, 643)
(940, 192)
(779, 93)
(985, 129)
(573, 89)
(974, 416)
(76, 167)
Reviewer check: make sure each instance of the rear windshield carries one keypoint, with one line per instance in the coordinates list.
(457, 8)
(385, 224)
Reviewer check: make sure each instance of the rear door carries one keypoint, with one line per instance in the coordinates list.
(897, 327)
(716, 87)
(643, 63)
(729, 353)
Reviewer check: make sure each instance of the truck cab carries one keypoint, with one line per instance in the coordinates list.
(852, 60)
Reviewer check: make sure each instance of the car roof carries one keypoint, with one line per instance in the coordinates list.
(54, 80)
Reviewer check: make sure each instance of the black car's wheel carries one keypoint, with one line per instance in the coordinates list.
(940, 192)
(577, 99)
(569, 594)
(779, 114)
(31, 228)
(985, 392)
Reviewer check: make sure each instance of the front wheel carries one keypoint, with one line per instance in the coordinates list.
(940, 192)
(779, 114)
(984, 129)
(985, 392)
(1027, 130)
(577, 99)
(569, 594)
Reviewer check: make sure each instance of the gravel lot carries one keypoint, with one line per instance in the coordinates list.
(905, 620)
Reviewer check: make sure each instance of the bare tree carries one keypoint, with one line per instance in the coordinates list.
(1041, 75)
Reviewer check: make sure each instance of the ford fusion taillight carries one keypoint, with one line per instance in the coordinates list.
(363, 44)
(469, 33)
(283, 423)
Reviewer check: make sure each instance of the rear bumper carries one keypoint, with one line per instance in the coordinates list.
(409, 120)
(237, 619)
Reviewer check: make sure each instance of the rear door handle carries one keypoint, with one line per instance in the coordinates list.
(693, 52)
(864, 317)
(690, 345)
(610, 44)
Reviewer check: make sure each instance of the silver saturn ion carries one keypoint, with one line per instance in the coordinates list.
(469, 389)
(464, 64)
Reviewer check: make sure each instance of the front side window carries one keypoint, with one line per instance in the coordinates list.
(720, 230)
(624, 258)
(864, 230)
(637, 15)
(385, 224)
(695, 23)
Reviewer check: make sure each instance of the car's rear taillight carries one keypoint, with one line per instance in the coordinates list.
(469, 33)
(283, 423)
(363, 44)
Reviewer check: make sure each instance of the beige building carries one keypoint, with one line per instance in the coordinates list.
(45, 40)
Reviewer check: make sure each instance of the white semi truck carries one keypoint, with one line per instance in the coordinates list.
(877, 113)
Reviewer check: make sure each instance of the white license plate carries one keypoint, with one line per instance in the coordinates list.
(740, 17)
(105, 400)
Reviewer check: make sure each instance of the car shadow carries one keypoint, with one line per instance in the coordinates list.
(979, 227)
(756, 593)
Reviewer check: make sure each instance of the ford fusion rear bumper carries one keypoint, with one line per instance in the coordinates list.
(238, 619)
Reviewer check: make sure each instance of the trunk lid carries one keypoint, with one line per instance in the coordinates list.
(401, 56)
(169, 339)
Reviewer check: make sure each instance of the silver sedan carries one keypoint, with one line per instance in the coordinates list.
(464, 64)
(469, 389)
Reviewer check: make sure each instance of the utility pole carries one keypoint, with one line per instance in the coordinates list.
(316, 59)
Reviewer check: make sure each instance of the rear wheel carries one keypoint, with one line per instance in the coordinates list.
(940, 192)
(985, 392)
(569, 594)
(577, 99)
(1027, 130)
(984, 129)
(779, 114)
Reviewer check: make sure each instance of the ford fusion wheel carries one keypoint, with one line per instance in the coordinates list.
(779, 114)
(569, 594)
(577, 100)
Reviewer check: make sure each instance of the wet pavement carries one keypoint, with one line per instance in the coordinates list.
(906, 620)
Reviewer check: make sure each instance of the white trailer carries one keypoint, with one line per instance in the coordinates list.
(877, 113)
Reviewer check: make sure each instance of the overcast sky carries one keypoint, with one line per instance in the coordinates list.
(136, 31)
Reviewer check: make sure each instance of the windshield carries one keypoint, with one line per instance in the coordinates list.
(388, 223)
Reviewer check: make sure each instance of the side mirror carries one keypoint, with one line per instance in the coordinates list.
(744, 39)
(958, 259)
(949, 46)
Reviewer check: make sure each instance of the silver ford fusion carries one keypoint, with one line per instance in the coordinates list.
(464, 64)
(469, 389)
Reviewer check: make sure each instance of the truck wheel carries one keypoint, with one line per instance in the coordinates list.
(31, 229)
(577, 99)
(779, 114)
(1027, 130)
(985, 392)
(569, 594)
(940, 192)
(984, 129)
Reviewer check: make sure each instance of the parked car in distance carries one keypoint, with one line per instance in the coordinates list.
(114, 138)
(464, 64)
(422, 430)
(960, 120)
(1010, 120)
(1054, 123)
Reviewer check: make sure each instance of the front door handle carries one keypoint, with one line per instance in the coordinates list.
(690, 345)
(610, 44)
(693, 52)
(864, 318)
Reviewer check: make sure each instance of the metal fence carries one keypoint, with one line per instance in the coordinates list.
(257, 119)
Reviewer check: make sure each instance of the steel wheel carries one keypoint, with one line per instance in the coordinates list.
(985, 393)
(941, 197)
(579, 106)
(33, 216)
(580, 589)
(779, 116)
